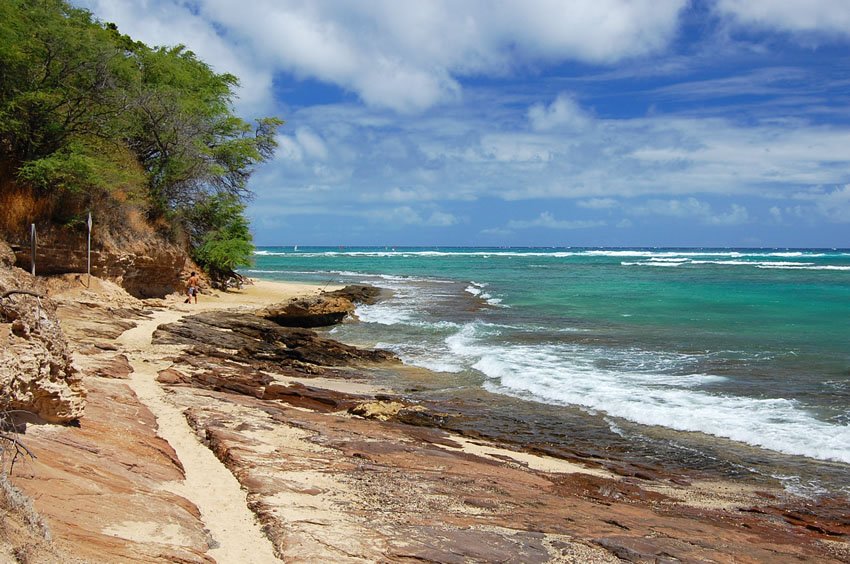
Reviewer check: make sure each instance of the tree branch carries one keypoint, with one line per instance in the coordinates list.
(27, 292)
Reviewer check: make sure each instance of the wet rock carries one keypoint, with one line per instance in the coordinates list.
(311, 311)
(250, 339)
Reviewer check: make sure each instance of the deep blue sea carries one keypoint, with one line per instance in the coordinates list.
(729, 358)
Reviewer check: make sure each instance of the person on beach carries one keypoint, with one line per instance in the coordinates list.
(192, 287)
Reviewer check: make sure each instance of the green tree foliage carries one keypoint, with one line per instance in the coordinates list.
(223, 237)
(78, 98)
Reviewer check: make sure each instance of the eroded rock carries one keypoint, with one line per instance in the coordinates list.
(310, 311)
(249, 339)
(36, 370)
(146, 269)
(358, 294)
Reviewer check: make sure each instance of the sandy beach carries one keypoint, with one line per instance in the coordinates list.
(197, 453)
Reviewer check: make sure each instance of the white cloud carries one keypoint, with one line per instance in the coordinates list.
(517, 144)
(548, 221)
(417, 194)
(737, 215)
(833, 205)
(397, 194)
(829, 16)
(406, 215)
(692, 208)
(483, 152)
(288, 149)
(564, 113)
(689, 207)
(312, 144)
(441, 219)
(598, 203)
(407, 56)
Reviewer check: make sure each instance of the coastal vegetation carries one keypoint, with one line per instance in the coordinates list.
(145, 138)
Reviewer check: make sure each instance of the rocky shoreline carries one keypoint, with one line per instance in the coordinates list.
(326, 466)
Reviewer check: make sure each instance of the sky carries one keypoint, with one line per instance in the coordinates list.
(721, 123)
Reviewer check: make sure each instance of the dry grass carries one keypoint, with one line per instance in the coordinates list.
(24, 536)
(20, 207)
(12, 500)
(118, 216)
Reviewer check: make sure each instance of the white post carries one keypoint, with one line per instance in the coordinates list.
(32, 247)
(88, 259)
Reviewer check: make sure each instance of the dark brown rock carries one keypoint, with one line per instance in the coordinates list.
(398, 410)
(247, 383)
(359, 294)
(317, 399)
(246, 338)
(311, 311)
(633, 549)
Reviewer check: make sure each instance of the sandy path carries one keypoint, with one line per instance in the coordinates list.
(208, 484)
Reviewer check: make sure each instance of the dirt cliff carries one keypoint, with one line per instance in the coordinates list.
(145, 268)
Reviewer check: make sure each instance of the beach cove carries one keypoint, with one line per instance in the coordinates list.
(188, 452)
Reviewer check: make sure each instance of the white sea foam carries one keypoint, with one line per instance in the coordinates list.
(614, 427)
(770, 265)
(436, 361)
(384, 314)
(477, 290)
(759, 263)
(652, 263)
(803, 267)
(563, 375)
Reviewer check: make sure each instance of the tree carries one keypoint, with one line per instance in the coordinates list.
(223, 240)
(89, 117)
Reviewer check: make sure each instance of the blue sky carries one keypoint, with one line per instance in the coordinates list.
(534, 122)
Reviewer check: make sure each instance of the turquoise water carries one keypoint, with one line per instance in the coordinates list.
(744, 345)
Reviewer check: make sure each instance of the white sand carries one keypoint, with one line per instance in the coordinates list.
(256, 295)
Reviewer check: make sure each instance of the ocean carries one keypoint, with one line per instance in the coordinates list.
(732, 362)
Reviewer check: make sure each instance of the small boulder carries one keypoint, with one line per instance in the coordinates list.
(312, 311)
(358, 294)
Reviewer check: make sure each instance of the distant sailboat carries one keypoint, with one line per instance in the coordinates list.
(295, 248)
